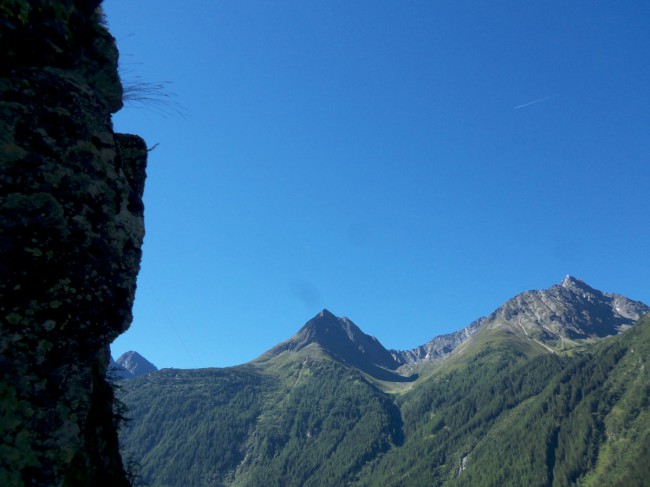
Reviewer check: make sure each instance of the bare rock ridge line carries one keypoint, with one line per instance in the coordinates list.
(553, 319)
(71, 231)
(570, 310)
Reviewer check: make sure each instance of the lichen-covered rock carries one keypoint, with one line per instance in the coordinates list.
(71, 230)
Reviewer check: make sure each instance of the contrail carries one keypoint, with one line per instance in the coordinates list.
(535, 101)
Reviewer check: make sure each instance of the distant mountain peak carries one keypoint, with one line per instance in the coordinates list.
(553, 318)
(573, 283)
(570, 310)
(342, 340)
(134, 364)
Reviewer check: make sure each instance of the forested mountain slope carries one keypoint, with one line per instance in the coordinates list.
(316, 422)
(590, 425)
(552, 420)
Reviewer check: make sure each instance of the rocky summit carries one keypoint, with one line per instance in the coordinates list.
(339, 337)
(557, 318)
(131, 364)
(567, 312)
(342, 339)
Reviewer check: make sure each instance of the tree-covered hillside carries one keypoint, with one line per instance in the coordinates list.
(505, 420)
(189, 427)
(312, 422)
(498, 417)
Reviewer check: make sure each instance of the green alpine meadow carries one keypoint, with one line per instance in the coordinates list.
(552, 389)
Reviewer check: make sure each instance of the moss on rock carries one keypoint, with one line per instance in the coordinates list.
(71, 231)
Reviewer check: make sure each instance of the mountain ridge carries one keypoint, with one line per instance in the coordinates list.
(506, 412)
(550, 320)
(344, 341)
(569, 310)
(555, 319)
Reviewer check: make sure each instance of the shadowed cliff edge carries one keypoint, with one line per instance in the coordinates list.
(71, 231)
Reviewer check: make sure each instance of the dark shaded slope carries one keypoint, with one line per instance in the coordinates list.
(446, 415)
(322, 431)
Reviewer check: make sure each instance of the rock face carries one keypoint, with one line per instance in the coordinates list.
(71, 230)
(340, 338)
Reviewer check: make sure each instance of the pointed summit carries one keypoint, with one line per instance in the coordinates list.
(135, 363)
(568, 280)
(576, 284)
(343, 341)
(325, 313)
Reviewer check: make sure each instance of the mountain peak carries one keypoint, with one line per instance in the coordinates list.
(135, 363)
(553, 318)
(325, 313)
(342, 340)
(568, 311)
(574, 283)
(330, 331)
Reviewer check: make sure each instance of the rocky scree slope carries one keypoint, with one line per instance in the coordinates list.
(568, 313)
(557, 318)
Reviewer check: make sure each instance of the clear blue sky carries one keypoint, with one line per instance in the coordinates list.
(367, 157)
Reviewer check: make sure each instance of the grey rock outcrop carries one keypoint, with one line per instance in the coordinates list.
(71, 230)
